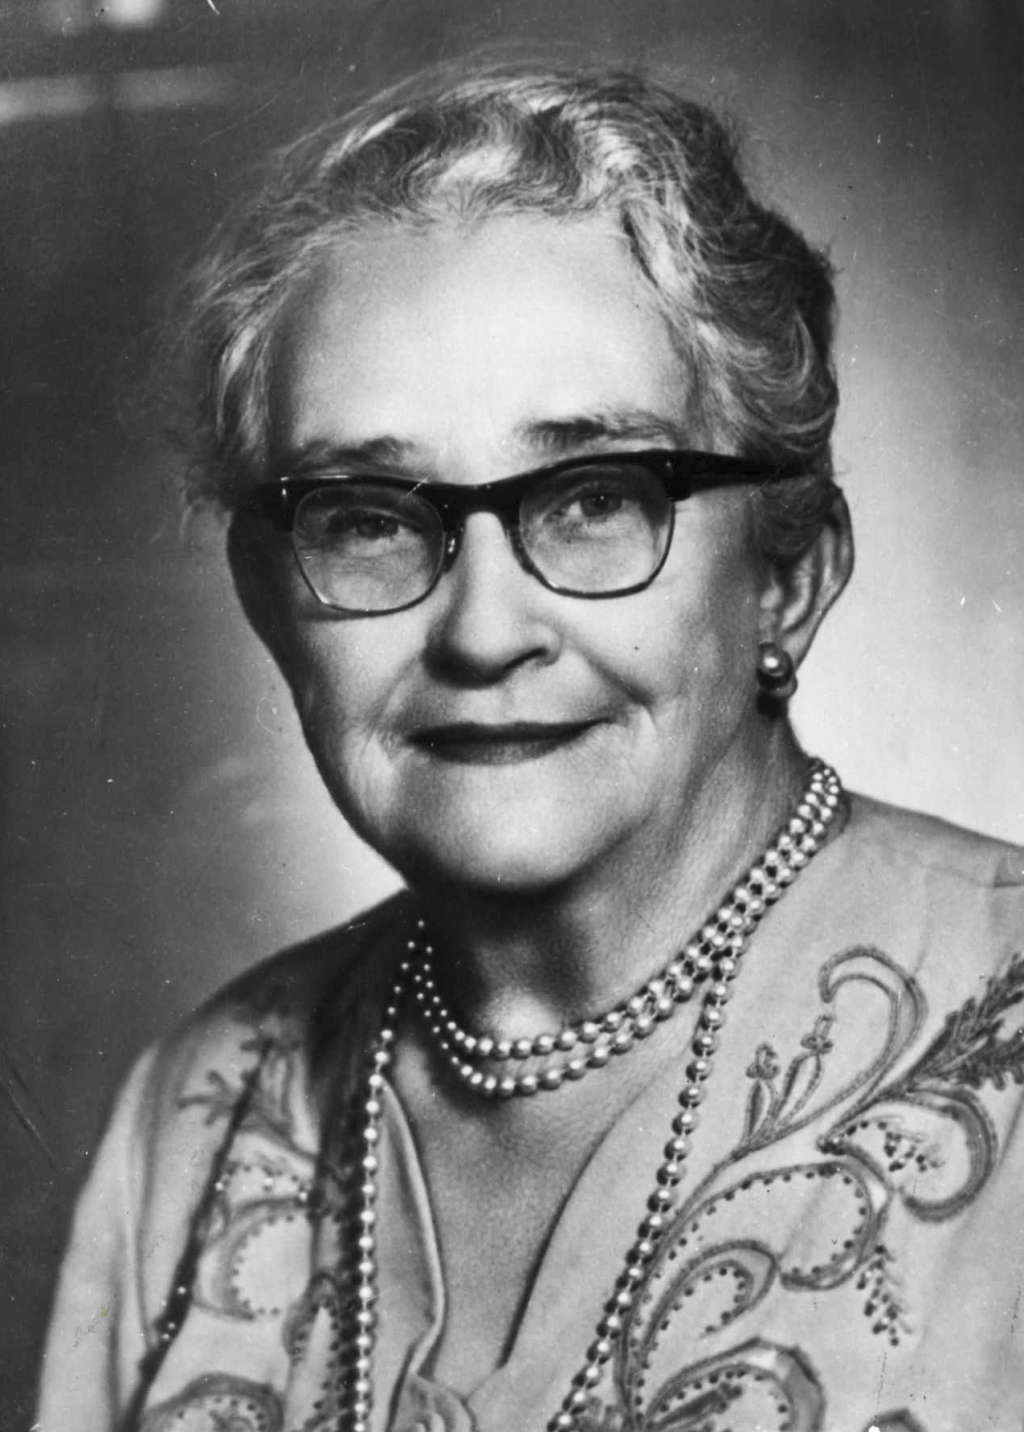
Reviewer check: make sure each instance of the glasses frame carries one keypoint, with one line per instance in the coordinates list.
(681, 471)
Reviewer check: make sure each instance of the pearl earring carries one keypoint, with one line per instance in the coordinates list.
(776, 673)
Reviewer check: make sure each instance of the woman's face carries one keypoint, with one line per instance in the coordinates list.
(499, 734)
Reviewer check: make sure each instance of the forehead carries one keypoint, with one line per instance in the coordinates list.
(454, 339)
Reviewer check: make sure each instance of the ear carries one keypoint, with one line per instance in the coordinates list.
(798, 594)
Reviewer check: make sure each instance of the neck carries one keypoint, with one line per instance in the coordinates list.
(519, 961)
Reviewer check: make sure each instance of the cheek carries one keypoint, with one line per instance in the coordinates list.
(344, 676)
(692, 642)
(332, 665)
(344, 696)
(338, 681)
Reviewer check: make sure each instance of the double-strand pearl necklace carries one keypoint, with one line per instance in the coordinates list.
(711, 958)
(632, 1020)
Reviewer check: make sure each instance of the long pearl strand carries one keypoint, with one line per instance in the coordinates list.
(714, 956)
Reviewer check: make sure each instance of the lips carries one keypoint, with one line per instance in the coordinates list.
(473, 743)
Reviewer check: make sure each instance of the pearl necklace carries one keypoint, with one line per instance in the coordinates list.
(713, 957)
(622, 1027)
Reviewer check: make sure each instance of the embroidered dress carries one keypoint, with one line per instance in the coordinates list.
(846, 1255)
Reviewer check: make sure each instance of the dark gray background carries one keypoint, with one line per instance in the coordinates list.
(161, 826)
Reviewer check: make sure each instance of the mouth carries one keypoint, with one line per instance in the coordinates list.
(471, 744)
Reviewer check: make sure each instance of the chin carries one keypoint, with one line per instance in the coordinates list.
(511, 830)
(496, 861)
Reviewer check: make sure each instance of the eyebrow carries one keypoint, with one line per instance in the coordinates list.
(558, 436)
(388, 453)
(548, 437)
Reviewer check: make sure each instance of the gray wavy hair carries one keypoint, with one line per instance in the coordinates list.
(749, 302)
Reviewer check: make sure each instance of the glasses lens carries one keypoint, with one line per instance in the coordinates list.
(599, 528)
(367, 547)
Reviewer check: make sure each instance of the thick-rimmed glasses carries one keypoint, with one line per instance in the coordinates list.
(586, 527)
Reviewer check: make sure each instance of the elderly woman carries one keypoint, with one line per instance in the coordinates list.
(679, 1089)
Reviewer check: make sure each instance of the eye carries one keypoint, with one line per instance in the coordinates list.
(597, 501)
(591, 500)
(354, 517)
(361, 523)
(597, 526)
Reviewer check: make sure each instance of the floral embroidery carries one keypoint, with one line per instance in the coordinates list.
(776, 1387)
(312, 1333)
(884, 1303)
(900, 1421)
(218, 1403)
(717, 1262)
(968, 1049)
(771, 1110)
(920, 1140)
(252, 1240)
(257, 1222)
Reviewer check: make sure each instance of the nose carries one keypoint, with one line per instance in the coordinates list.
(491, 615)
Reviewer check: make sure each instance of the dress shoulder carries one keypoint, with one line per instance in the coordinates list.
(301, 996)
(931, 843)
(238, 1091)
(267, 1060)
(946, 904)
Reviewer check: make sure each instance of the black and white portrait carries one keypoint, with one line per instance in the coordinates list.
(514, 769)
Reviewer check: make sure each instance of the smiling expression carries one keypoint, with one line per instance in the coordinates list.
(499, 734)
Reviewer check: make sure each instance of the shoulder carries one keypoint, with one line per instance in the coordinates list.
(923, 842)
(303, 1008)
(330, 969)
(945, 904)
(246, 1084)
